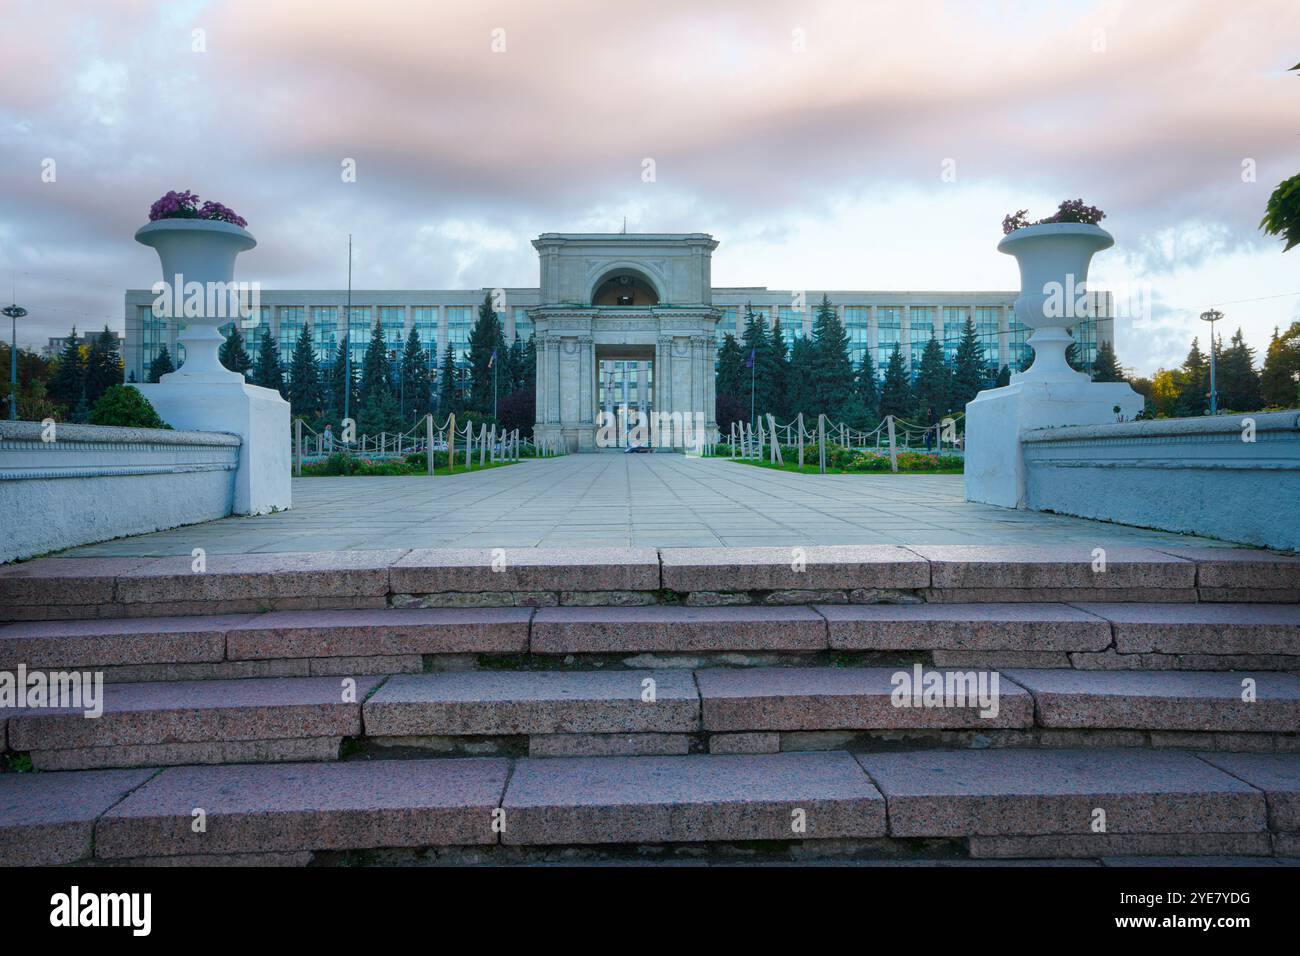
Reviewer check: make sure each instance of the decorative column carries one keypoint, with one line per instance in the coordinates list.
(664, 376)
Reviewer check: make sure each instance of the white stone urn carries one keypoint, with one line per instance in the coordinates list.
(199, 251)
(1053, 259)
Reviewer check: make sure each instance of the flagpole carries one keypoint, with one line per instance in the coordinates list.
(753, 371)
(347, 330)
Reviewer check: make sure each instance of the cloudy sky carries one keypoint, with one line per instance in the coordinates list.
(811, 138)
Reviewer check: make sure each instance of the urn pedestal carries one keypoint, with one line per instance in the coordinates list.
(198, 259)
(1053, 260)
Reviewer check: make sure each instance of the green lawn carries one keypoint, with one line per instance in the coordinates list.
(357, 467)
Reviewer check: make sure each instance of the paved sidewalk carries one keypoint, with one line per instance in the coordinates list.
(607, 500)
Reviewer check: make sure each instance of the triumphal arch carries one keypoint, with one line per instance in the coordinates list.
(625, 340)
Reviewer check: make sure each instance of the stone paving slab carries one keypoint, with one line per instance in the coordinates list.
(426, 570)
(288, 807)
(573, 630)
(379, 633)
(1278, 775)
(803, 568)
(1203, 628)
(690, 799)
(1059, 595)
(1022, 627)
(958, 793)
(840, 698)
(234, 577)
(533, 702)
(113, 641)
(1163, 700)
(49, 818)
(199, 712)
(1054, 566)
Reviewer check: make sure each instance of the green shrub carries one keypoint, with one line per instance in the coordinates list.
(125, 407)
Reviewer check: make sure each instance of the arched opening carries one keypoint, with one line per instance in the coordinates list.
(624, 287)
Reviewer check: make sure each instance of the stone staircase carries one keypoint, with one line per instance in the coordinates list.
(766, 703)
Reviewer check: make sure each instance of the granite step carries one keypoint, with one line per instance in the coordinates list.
(673, 628)
(998, 803)
(971, 627)
(279, 808)
(1218, 629)
(1216, 701)
(1069, 802)
(691, 799)
(857, 698)
(152, 724)
(503, 703)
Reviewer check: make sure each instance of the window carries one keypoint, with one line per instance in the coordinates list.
(325, 334)
(424, 319)
(460, 320)
(153, 336)
(954, 324)
(359, 323)
(791, 322)
(523, 326)
(986, 327)
(291, 323)
(726, 323)
(922, 319)
(857, 323)
(889, 332)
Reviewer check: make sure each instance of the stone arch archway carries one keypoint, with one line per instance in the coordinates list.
(625, 286)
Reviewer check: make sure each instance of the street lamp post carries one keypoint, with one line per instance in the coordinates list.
(1212, 316)
(15, 312)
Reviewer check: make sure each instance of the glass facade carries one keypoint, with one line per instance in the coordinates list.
(523, 326)
(954, 321)
(153, 336)
(857, 322)
(1019, 354)
(359, 325)
(889, 332)
(791, 322)
(727, 323)
(922, 325)
(291, 322)
(424, 319)
(986, 327)
(460, 320)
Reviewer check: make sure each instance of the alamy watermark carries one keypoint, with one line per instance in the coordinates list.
(59, 690)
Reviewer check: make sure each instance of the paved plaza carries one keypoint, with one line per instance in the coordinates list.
(605, 500)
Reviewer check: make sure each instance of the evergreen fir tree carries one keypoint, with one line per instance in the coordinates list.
(776, 365)
(865, 382)
(731, 368)
(1193, 384)
(376, 372)
(932, 385)
(304, 377)
(896, 391)
(234, 354)
(66, 386)
(968, 368)
(756, 345)
(1106, 367)
(1004, 377)
(485, 338)
(342, 382)
(161, 365)
(1238, 382)
(268, 373)
(417, 384)
(517, 370)
(799, 394)
(448, 396)
(528, 368)
(379, 413)
(832, 370)
(1277, 383)
(103, 366)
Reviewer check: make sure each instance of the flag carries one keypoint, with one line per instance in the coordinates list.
(493, 358)
(749, 362)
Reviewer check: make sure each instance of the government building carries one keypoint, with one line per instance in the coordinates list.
(621, 319)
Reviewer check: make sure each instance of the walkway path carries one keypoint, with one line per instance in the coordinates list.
(630, 500)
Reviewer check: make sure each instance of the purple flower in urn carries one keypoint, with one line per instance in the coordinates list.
(185, 205)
